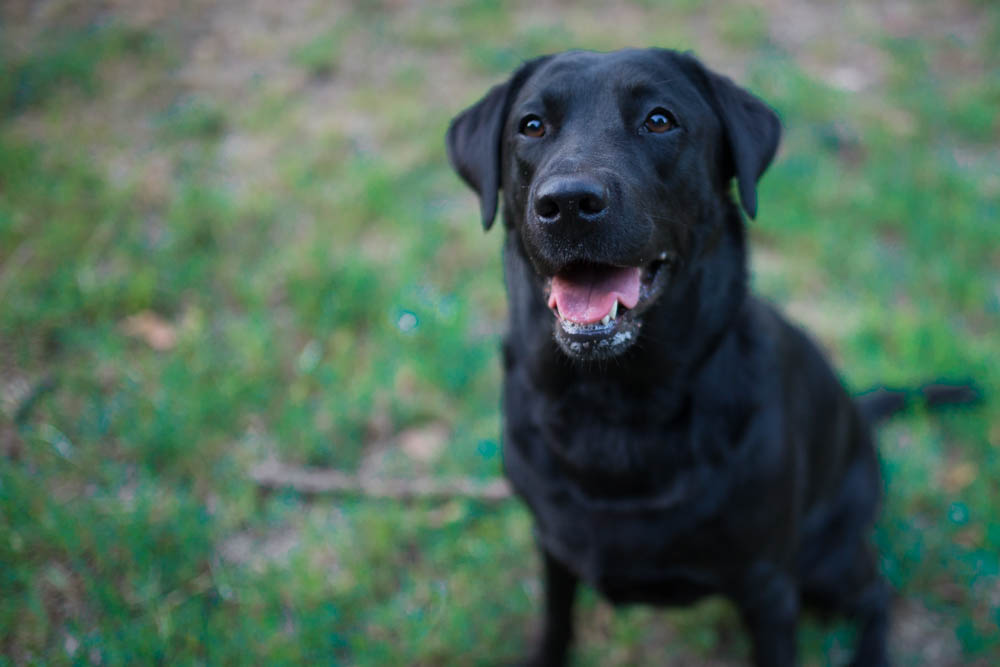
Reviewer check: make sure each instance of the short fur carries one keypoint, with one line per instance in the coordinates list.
(716, 452)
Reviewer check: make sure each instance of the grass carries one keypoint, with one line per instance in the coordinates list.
(197, 277)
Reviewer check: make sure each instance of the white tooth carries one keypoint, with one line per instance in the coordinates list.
(614, 311)
(606, 320)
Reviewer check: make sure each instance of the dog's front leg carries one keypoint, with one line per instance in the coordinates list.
(557, 631)
(769, 604)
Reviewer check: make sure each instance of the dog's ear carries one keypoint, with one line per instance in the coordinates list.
(474, 138)
(752, 131)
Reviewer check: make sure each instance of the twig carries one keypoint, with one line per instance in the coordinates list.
(275, 475)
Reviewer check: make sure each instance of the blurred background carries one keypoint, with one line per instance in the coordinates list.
(229, 235)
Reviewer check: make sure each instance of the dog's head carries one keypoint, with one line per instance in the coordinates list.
(612, 165)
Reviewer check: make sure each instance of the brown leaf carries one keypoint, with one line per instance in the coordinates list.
(958, 476)
(10, 442)
(424, 443)
(970, 537)
(146, 325)
(447, 514)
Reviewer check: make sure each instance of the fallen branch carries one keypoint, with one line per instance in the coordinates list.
(273, 475)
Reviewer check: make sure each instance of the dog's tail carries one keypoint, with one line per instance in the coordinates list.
(880, 403)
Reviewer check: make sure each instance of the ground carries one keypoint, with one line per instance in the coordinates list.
(228, 235)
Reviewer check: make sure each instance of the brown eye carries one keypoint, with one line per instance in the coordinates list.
(532, 126)
(659, 120)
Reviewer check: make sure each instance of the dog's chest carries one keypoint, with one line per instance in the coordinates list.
(658, 548)
(625, 495)
(619, 443)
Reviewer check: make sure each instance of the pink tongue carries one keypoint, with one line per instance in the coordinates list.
(585, 295)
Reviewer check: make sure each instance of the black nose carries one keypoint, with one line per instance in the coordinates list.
(570, 198)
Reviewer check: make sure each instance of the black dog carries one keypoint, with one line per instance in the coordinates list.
(674, 436)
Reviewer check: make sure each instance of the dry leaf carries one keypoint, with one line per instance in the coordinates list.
(424, 443)
(146, 325)
(970, 537)
(447, 514)
(959, 476)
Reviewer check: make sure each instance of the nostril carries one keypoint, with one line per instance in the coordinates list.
(569, 199)
(547, 208)
(591, 204)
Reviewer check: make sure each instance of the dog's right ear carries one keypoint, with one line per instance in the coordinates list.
(474, 137)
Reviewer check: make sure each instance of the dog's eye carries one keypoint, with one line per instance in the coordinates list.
(532, 126)
(659, 120)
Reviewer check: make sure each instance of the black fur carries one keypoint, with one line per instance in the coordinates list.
(713, 451)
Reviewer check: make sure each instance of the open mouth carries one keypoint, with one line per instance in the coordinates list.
(598, 306)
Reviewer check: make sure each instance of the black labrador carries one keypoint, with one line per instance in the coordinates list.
(673, 435)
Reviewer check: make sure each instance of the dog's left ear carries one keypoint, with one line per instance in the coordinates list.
(474, 137)
(752, 131)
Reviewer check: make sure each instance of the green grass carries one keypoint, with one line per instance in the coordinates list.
(66, 58)
(332, 288)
